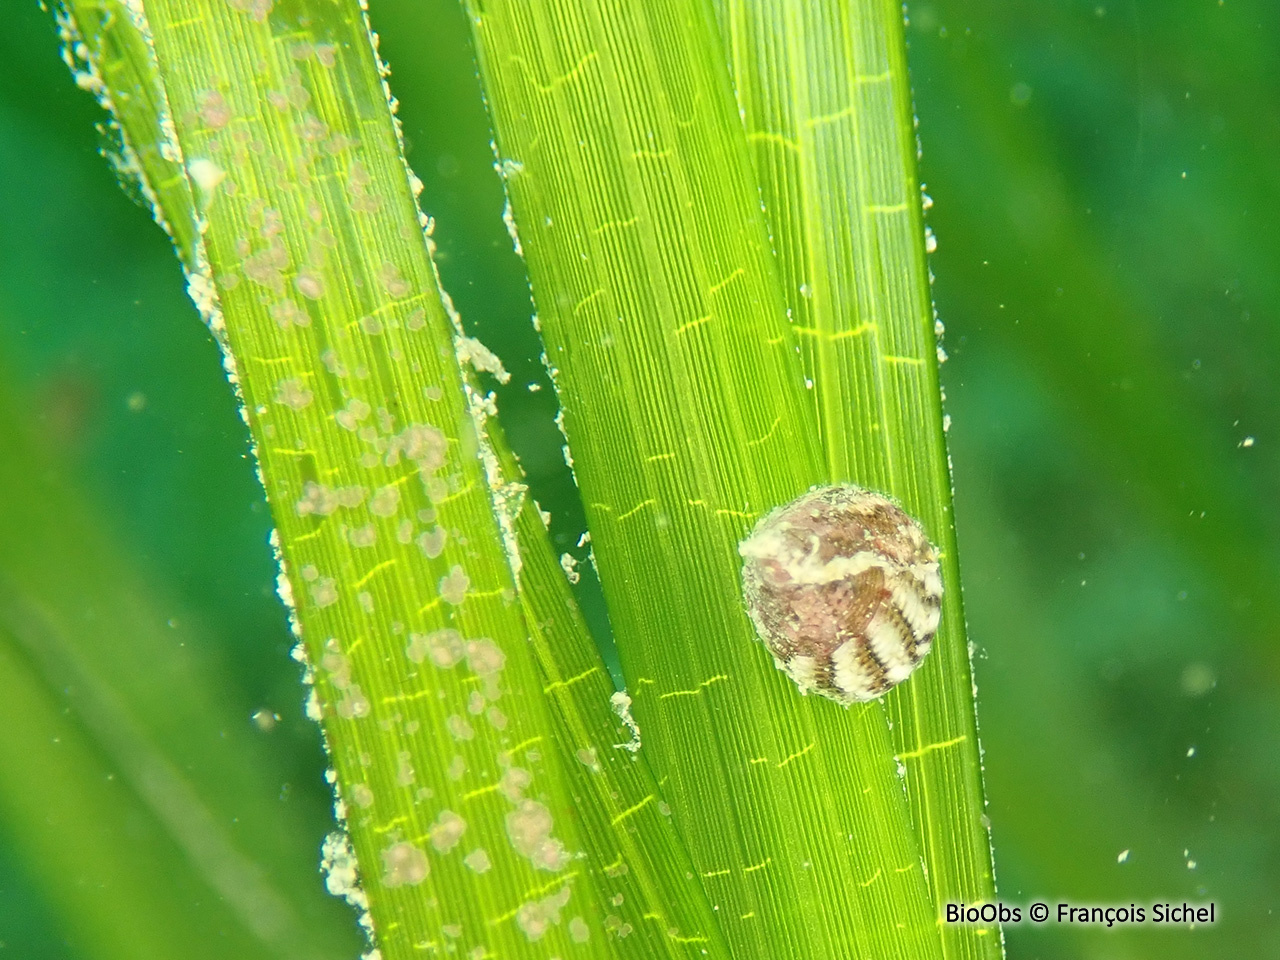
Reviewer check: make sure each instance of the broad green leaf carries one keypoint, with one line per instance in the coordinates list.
(827, 108)
(685, 406)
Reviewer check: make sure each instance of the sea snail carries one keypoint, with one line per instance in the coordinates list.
(844, 589)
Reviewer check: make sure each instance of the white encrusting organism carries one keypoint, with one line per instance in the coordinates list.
(404, 865)
(324, 592)
(515, 781)
(447, 831)
(320, 500)
(458, 727)
(341, 873)
(310, 285)
(484, 657)
(621, 704)
(392, 282)
(569, 564)
(432, 542)
(529, 828)
(472, 351)
(206, 174)
(454, 586)
(350, 416)
(385, 502)
(362, 796)
(404, 768)
(444, 648)
(536, 917)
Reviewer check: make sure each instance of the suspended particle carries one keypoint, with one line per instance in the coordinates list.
(845, 591)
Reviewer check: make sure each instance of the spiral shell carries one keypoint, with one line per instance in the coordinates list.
(844, 589)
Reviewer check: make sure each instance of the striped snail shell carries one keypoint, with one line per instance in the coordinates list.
(844, 589)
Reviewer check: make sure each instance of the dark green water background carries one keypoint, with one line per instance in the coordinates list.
(1106, 178)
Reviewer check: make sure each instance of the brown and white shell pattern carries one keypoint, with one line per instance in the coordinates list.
(845, 591)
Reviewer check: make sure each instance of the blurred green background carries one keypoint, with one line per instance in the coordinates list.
(1105, 178)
